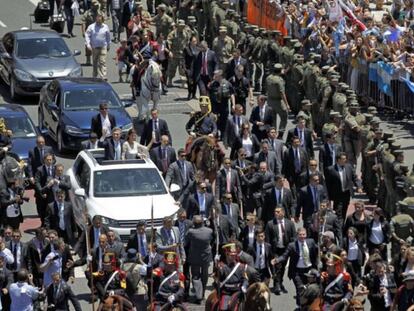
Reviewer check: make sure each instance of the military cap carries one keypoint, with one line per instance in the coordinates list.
(305, 102)
(248, 27)
(294, 41)
(230, 248)
(287, 38)
(225, 2)
(170, 258)
(181, 23)
(162, 7)
(297, 45)
(395, 145)
(230, 12)
(244, 19)
(334, 114)
(302, 115)
(372, 109)
(191, 18)
(325, 69)
(391, 140)
(342, 85)
(255, 29)
(277, 67)
(335, 80)
(350, 91)
(368, 115)
(316, 56)
(375, 120)
(222, 29)
(397, 152)
(262, 30)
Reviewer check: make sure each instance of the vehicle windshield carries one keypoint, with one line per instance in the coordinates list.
(20, 126)
(42, 48)
(128, 182)
(89, 99)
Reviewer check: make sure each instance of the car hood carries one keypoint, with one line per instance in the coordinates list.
(135, 208)
(82, 118)
(47, 68)
(21, 146)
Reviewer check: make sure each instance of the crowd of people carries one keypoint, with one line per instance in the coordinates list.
(241, 208)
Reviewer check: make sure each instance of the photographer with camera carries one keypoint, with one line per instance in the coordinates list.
(11, 200)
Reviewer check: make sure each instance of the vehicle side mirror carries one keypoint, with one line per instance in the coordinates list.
(53, 106)
(80, 192)
(76, 53)
(5, 55)
(126, 103)
(174, 188)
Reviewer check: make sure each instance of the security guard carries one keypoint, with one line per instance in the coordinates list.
(88, 19)
(177, 41)
(277, 97)
(352, 129)
(202, 122)
(168, 282)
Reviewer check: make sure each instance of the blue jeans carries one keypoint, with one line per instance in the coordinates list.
(69, 18)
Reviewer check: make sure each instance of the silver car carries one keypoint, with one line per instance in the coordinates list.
(31, 58)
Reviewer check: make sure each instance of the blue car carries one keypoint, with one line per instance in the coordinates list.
(66, 108)
(24, 132)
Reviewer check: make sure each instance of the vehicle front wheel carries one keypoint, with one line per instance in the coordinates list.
(60, 144)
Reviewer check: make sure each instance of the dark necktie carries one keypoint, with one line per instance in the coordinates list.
(170, 237)
(279, 197)
(55, 292)
(14, 265)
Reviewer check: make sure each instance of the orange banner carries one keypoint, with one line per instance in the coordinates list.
(265, 15)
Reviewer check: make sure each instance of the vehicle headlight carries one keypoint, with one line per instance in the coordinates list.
(109, 221)
(77, 72)
(23, 75)
(73, 130)
(127, 127)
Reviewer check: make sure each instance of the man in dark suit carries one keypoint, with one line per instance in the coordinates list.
(227, 180)
(6, 279)
(304, 134)
(115, 246)
(181, 173)
(154, 128)
(234, 126)
(223, 231)
(309, 199)
(103, 123)
(262, 256)
(277, 146)
(140, 239)
(113, 145)
(163, 155)
(295, 162)
(340, 180)
(61, 181)
(91, 143)
(201, 202)
(304, 177)
(19, 252)
(59, 293)
(36, 156)
(261, 118)
(278, 196)
(204, 67)
(302, 255)
(234, 62)
(232, 212)
(268, 156)
(44, 181)
(327, 154)
(280, 231)
(326, 220)
(198, 242)
(60, 217)
(129, 7)
(34, 254)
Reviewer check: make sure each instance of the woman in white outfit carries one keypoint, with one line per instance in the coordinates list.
(131, 149)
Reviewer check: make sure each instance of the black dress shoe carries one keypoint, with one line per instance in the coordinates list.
(72, 35)
(276, 292)
(283, 289)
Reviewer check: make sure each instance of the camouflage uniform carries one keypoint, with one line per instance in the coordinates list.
(163, 24)
(352, 142)
(223, 47)
(177, 40)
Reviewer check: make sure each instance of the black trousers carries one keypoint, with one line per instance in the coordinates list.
(203, 84)
(52, 6)
(41, 206)
(199, 277)
(299, 280)
(340, 204)
(280, 268)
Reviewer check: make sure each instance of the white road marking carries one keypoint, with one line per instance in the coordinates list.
(34, 2)
(3, 24)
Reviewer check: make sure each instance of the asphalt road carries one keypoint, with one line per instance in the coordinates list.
(15, 14)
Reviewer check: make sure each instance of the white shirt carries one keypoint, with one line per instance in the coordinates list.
(251, 235)
(106, 126)
(247, 144)
(7, 255)
(377, 236)
(341, 172)
(387, 296)
(353, 250)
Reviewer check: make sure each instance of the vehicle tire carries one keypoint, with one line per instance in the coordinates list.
(59, 142)
(12, 87)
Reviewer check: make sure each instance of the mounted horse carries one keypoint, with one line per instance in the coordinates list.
(257, 298)
(116, 303)
(150, 88)
(205, 153)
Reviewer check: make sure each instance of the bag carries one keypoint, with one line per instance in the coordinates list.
(57, 23)
(41, 12)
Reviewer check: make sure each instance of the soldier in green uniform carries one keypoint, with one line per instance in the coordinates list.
(191, 28)
(352, 129)
(248, 50)
(223, 46)
(339, 100)
(162, 21)
(89, 18)
(276, 97)
(371, 174)
(264, 59)
(177, 40)
(330, 126)
(306, 114)
(310, 74)
(387, 161)
(296, 87)
(394, 172)
(402, 229)
(320, 108)
(256, 57)
(233, 29)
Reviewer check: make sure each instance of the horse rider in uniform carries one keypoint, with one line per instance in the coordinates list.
(168, 282)
(336, 283)
(276, 97)
(231, 278)
(202, 122)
